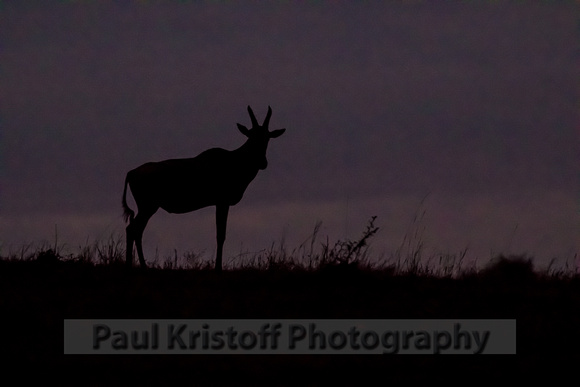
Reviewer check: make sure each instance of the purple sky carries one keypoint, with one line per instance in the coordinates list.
(476, 104)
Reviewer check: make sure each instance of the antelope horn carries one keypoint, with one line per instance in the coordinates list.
(252, 117)
(267, 119)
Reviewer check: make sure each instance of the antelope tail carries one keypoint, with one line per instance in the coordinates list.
(128, 213)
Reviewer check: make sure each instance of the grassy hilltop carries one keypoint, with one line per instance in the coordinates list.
(40, 290)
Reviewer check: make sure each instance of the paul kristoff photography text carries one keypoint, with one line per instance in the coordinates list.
(289, 336)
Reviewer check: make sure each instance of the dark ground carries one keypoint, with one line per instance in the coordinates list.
(35, 298)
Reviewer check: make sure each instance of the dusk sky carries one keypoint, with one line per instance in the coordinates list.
(472, 104)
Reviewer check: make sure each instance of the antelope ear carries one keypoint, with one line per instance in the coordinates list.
(244, 130)
(277, 133)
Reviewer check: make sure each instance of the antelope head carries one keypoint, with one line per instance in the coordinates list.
(258, 137)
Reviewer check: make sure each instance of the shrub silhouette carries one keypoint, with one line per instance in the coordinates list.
(348, 253)
(510, 268)
(48, 257)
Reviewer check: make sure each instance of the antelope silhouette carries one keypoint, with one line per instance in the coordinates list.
(216, 177)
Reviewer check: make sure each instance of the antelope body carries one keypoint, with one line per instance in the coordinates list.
(216, 177)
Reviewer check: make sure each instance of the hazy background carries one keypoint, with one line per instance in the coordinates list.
(473, 104)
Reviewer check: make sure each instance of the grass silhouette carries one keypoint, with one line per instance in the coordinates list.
(311, 255)
(39, 288)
